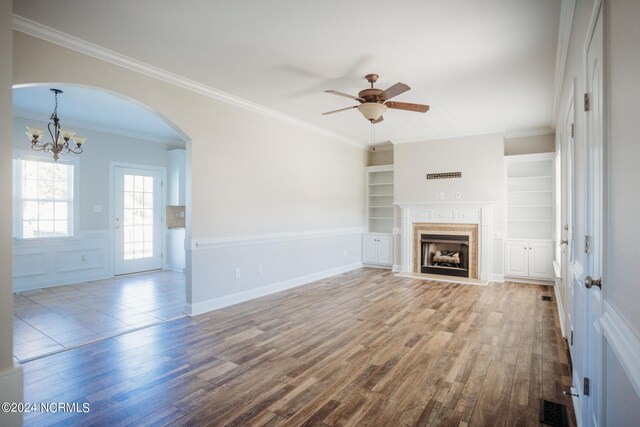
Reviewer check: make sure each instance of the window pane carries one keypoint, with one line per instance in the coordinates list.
(45, 210)
(128, 183)
(45, 171)
(45, 189)
(148, 233)
(29, 211)
(128, 200)
(60, 191)
(29, 169)
(30, 189)
(148, 216)
(60, 211)
(148, 200)
(128, 217)
(60, 172)
(138, 200)
(60, 228)
(148, 184)
(138, 183)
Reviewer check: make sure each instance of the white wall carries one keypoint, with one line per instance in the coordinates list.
(250, 175)
(11, 384)
(88, 256)
(530, 144)
(480, 158)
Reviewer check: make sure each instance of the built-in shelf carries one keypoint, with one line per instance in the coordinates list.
(380, 199)
(530, 196)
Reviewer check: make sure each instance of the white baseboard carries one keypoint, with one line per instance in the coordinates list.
(499, 278)
(529, 281)
(561, 312)
(624, 343)
(11, 390)
(396, 268)
(225, 301)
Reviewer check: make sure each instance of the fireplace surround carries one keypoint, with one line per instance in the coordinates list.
(467, 218)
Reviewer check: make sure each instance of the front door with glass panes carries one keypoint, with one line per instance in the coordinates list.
(137, 217)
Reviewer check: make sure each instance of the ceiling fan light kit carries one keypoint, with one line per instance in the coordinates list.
(375, 102)
(372, 111)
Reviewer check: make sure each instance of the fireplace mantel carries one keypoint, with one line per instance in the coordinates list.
(453, 212)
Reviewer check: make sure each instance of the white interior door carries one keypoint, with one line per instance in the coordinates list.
(587, 305)
(595, 213)
(137, 220)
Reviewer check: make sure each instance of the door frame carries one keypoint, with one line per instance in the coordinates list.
(163, 203)
(568, 211)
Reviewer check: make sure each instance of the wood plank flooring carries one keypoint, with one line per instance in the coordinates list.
(363, 348)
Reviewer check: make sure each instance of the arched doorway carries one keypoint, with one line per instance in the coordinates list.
(63, 273)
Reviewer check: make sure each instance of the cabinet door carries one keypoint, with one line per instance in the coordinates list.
(541, 260)
(369, 249)
(516, 258)
(385, 250)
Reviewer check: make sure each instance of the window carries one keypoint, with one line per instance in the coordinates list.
(43, 198)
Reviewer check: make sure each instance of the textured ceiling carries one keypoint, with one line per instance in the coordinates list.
(481, 66)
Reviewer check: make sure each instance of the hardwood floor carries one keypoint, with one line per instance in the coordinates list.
(361, 348)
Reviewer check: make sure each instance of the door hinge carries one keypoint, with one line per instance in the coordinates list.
(587, 106)
(573, 131)
(585, 386)
(587, 244)
(571, 337)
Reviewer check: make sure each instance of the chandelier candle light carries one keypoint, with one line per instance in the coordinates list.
(60, 138)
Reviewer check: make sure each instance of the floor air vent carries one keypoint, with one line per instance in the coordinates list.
(546, 298)
(553, 414)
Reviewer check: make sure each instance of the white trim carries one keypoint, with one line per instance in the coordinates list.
(624, 343)
(231, 241)
(68, 41)
(560, 305)
(498, 278)
(564, 35)
(225, 301)
(11, 390)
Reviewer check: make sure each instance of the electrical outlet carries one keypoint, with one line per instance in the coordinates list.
(259, 268)
(97, 208)
(458, 195)
(237, 273)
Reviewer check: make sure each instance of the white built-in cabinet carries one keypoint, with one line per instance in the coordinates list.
(377, 243)
(377, 249)
(530, 212)
(532, 259)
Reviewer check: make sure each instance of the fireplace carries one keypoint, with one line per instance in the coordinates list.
(447, 249)
(444, 254)
(472, 219)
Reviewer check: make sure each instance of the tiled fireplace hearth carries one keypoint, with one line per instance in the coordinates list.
(469, 222)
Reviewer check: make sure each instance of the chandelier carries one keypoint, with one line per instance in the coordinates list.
(62, 141)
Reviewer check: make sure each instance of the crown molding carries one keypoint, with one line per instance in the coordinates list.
(90, 127)
(68, 41)
(564, 35)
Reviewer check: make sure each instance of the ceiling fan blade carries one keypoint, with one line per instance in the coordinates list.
(346, 95)
(379, 120)
(337, 111)
(418, 108)
(395, 90)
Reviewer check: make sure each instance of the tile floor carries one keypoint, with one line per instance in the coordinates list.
(52, 319)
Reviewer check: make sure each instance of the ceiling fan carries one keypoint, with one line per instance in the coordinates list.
(374, 102)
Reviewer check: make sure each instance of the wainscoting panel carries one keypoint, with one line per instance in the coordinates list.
(46, 263)
(227, 271)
